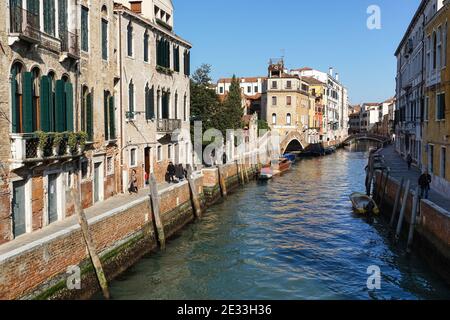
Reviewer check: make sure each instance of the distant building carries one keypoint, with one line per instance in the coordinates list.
(412, 53)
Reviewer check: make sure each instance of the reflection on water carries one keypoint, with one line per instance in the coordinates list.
(292, 238)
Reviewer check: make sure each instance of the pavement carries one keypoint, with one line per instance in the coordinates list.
(399, 168)
(38, 237)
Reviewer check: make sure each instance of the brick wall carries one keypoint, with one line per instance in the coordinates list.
(121, 237)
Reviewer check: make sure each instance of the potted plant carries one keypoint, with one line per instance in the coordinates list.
(82, 139)
(42, 143)
(57, 142)
(72, 142)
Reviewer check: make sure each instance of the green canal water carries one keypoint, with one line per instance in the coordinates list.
(294, 237)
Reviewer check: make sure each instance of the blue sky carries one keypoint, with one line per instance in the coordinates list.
(239, 36)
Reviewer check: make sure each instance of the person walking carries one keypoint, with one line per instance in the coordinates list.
(180, 172)
(171, 171)
(409, 160)
(424, 183)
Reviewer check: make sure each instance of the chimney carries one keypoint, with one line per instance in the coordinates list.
(136, 6)
(331, 71)
(337, 76)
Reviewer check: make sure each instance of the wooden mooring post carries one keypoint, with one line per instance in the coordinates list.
(154, 200)
(244, 167)
(383, 192)
(95, 259)
(397, 202)
(194, 193)
(222, 182)
(402, 211)
(412, 224)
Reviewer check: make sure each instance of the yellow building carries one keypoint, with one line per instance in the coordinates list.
(436, 133)
(285, 101)
(317, 91)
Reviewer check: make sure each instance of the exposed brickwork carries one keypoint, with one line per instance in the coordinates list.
(86, 194)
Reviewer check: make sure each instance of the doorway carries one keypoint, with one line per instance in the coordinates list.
(52, 198)
(147, 165)
(18, 208)
(97, 181)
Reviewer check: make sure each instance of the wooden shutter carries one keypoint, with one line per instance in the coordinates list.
(89, 117)
(60, 119)
(105, 114)
(104, 39)
(62, 18)
(15, 112)
(69, 106)
(27, 112)
(112, 118)
(46, 96)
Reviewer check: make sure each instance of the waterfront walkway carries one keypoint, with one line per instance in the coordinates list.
(38, 237)
(399, 169)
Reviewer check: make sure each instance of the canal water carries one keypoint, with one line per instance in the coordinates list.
(294, 237)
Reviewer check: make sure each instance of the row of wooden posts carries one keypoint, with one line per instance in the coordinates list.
(401, 198)
(155, 205)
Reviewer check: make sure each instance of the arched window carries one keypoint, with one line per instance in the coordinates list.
(149, 103)
(130, 39)
(130, 100)
(439, 59)
(165, 110)
(109, 116)
(146, 37)
(274, 118)
(17, 97)
(288, 119)
(87, 118)
(187, 63)
(176, 58)
(36, 109)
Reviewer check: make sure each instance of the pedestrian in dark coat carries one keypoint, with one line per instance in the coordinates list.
(424, 183)
(171, 171)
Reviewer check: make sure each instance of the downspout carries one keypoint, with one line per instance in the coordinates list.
(121, 102)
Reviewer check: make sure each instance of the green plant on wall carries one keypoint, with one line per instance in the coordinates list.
(72, 141)
(43, 138)
(82, 138)
(58, 139)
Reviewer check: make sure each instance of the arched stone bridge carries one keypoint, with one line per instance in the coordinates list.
(368, 136)
(293, 141)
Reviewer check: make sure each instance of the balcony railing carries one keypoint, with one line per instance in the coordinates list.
(70, 43)
(167, 125)
(30, 148)
(25, 23)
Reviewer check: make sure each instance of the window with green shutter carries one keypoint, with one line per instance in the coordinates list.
(149, 103)
(62, 19)
(104, 39)
(146, 37)
(130, 40)
(49, 17)
(27, 112)
(69, 106)
(130, 101)
(106, 113)
(60, 115)
(112, 118)
(46, 96)
(16, 99)
(84, 29)
(89, 117)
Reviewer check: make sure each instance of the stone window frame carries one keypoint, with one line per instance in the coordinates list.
(109, 165)
(134, 149)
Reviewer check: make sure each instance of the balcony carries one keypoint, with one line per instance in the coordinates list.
(32, 148)
(24, 25)
(167, 125)
(70, 46)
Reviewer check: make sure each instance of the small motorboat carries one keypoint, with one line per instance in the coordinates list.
(291, 157)
(269, 171)
(266, 174)
(363, 204)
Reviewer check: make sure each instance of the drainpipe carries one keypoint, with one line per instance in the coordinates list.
(121, 102)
